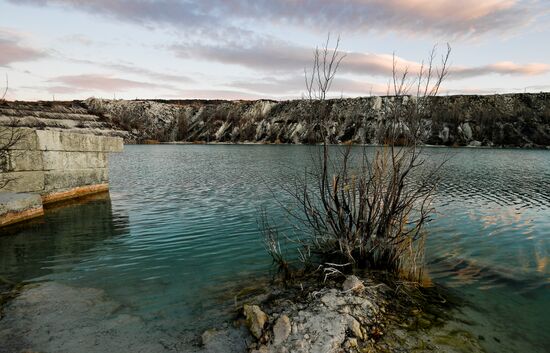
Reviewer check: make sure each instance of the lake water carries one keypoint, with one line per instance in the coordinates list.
(180, 230)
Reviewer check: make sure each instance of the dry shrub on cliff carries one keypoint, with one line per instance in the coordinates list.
(366, 207)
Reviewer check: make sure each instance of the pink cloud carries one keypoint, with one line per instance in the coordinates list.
(508, 67)
(450, 10)
(452, 18)
(101, 83)
(11, 52)
(501, 68)
(278, 56)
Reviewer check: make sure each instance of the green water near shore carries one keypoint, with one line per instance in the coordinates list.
(180, 229)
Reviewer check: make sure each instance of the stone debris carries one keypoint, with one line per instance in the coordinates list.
(352, 283)
(255, 319)
(331, 320)
(281, 329)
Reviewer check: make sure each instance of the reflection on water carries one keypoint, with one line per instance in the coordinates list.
(180, 227)
(59, 241)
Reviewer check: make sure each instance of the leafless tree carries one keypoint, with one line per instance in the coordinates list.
(366, 207)
(326, 62)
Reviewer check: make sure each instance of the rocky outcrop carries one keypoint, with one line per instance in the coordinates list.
(356, 317)
(515, 120)
(521, 120)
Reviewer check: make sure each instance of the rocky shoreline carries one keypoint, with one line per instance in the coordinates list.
(509, 120)
(356, 315)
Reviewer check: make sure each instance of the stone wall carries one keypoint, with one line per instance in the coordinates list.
(56, 165)
(71, 117)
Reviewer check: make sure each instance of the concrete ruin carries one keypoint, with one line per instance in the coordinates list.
(46, 165)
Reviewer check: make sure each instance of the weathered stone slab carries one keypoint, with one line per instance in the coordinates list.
(76, 142)
(29, 181)
(67, 179)
(80, 191)
(20, 160)
(16, 207)
(112, 144)
(59, 151)
(49, 140)
(24, 138)
(61, 160)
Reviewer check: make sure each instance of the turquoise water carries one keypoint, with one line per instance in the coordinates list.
(180, 230)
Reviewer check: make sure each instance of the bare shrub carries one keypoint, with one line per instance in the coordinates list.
(366, 207)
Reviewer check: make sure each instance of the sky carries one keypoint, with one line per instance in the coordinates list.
(237, 49)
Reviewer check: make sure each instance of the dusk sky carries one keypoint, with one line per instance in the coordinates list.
(236, 49)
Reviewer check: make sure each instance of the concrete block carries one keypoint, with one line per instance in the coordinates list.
(12, 201)
(20, 160)
(24, 138)
(81, 142)
(30, 181)
(61, 160)
(49, 140)
(17, 207)
(112, 144)
(67, 179)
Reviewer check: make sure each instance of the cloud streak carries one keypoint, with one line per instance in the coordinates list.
(12, 51)
(449, 18)
(502, 68)
(273, 56)
(96, 82)
(128, 68)
(294, 86)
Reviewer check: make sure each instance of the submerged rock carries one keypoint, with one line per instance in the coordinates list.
(228, 340)
(56, 318)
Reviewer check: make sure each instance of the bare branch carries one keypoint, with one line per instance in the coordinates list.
(3, 97)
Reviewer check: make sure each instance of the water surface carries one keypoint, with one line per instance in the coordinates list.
(180, 229)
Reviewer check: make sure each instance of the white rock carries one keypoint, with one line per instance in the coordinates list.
(281, 329)
(355, 327)
(354, 284)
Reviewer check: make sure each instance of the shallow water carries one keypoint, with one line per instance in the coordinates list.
(180, 230)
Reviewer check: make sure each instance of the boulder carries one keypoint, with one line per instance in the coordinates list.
(281, 329)
(255, 319)
(355, 327)
(353, 284)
